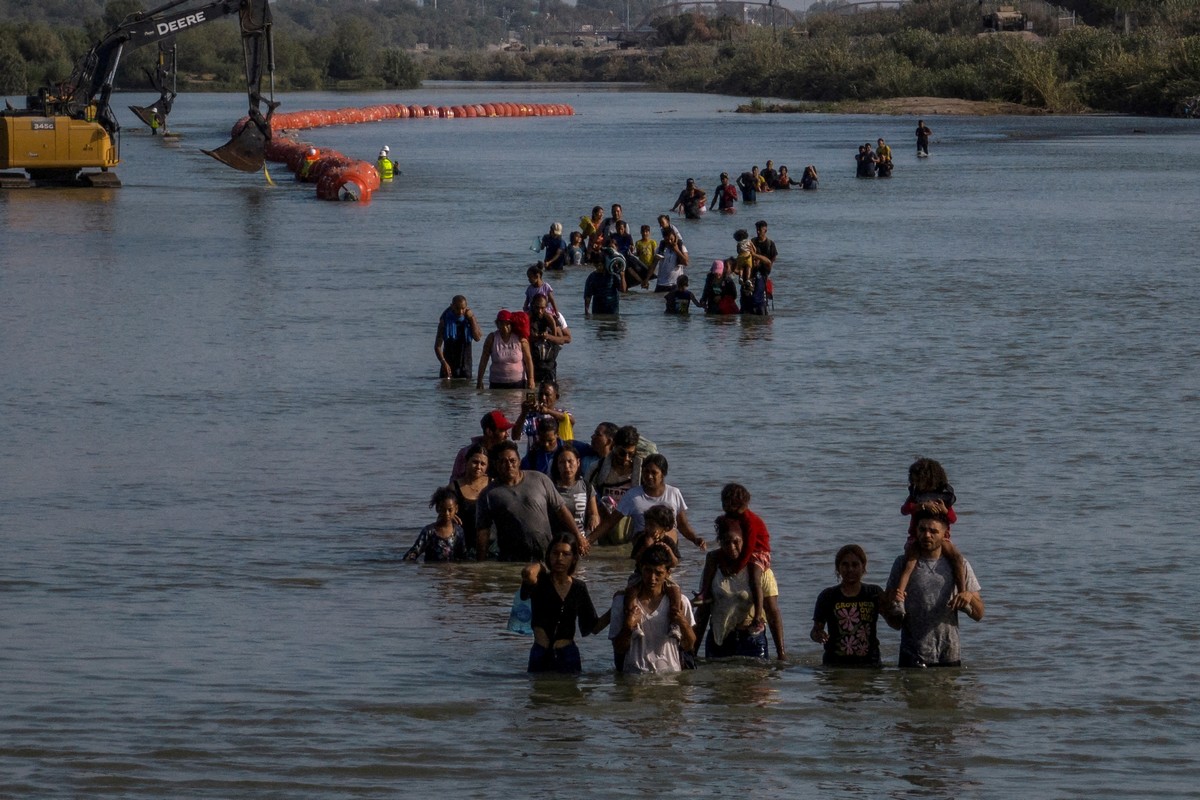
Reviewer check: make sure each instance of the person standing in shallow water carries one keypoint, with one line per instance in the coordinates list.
(457, 328)
(507, 350)
(671, 260)
(748, 183)
(523, 507)
(653, 631)
(928, 617)
(691, 200)
(559, 599)
(884, 155)
(810, 180)
(846, 616)
(923, 134)
(725, 196)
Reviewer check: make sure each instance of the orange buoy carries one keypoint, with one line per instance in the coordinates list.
(341, 178)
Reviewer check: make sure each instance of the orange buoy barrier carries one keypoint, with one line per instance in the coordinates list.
(302, 120)
(339, 177)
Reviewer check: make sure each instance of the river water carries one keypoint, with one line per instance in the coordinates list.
(221, 425)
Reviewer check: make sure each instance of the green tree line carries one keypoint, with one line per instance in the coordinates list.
(1135, 56)
(931, 48)
(319, 44)
(936, 48)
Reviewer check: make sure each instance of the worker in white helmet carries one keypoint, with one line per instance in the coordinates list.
(311, 156)
(385, 165)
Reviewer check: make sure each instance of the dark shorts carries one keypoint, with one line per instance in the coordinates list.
(606, 305)
(512, 385)
(740, 644)
(518, 552)
(564, 660)
(458, 355)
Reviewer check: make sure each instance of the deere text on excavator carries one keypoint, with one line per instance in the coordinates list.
(65, 131)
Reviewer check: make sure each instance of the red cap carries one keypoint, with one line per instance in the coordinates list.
(504, 316)
(495, 421)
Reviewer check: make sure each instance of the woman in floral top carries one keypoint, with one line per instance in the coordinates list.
(846, 615)
(442, 540)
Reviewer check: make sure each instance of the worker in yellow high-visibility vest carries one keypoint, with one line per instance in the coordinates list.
(385, 165)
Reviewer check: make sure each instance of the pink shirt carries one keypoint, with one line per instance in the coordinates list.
(508, 360)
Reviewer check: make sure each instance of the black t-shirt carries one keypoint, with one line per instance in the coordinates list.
(557, 615)
(851, 623)
(766, 247)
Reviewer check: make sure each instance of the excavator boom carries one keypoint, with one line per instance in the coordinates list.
(247, 150)
(72, 126)
(162, 78)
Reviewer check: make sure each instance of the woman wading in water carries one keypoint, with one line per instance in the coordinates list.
(558, 599)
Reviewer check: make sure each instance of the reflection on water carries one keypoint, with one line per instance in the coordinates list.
(609, 328)
(653, 705)
(253, 228)
(851, 687)
(756, 329)
(938, 737)
(555, 691)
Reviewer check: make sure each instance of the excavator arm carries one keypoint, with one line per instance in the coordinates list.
(87, 93)
(162, 78)
(246, 150)
(69, 129)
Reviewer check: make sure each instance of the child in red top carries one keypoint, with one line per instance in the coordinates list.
(756, 553)
(928, 485)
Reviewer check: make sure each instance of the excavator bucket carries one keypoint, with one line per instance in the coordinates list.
(245, 152)
(145, 113)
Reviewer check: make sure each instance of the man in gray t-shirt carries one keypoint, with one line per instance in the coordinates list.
(520, 505)
(928, 620)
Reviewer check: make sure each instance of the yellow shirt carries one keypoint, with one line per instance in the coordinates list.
(644, 249)
(733, 605)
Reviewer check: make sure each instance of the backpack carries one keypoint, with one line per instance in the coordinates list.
(759, 294)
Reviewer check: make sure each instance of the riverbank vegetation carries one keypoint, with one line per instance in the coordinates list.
(1142, 57)
(935, 49)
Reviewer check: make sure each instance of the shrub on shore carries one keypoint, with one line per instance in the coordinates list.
(1085, 68)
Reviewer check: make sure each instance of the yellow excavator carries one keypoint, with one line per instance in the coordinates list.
(69, 136)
